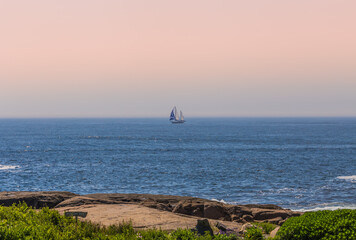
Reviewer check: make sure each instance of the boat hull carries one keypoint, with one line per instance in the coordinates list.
(175, 122)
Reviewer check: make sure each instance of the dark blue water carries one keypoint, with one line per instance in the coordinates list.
(299, 163)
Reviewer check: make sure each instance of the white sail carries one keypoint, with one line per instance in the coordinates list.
(181, 117)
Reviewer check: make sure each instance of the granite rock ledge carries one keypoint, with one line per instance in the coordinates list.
(191, 206)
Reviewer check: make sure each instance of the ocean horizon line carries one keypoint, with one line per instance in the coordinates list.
(192, 117)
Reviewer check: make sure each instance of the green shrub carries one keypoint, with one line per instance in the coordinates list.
(182, 234)
(253, 233)
(22, 222)
(339, 224)
(266, 227)
(225, 237)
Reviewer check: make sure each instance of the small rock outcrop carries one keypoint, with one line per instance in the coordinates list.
(237, 213)
(244, 227)
(190, 207)
(35, 199)
(82, 200)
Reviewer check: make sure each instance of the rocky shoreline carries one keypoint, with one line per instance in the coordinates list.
(187, 206)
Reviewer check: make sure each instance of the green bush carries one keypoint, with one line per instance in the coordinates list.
(254, 233)
(266, 227)
(325, 225)
(22, 222)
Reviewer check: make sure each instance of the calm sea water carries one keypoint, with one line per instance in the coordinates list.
(301, 163)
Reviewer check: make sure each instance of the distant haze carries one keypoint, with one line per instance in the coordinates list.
(139, 58)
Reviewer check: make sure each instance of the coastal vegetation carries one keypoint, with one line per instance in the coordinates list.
(253, 233)
(22, 222)
(265, 226)
(325, 225)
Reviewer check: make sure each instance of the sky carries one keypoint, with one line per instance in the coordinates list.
(139, 58)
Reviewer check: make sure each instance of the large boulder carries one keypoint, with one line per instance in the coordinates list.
(216, 210)
(35, 199)
(260, 212)
(265, 214)
(203, 208)
(190, 207)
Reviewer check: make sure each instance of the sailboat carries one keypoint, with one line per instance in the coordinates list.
(175, 118)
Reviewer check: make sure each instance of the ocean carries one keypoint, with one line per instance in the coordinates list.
(297, 163)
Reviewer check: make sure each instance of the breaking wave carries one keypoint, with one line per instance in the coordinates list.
(8, 167)
(217, 200)
(348, 178)
(326, 206)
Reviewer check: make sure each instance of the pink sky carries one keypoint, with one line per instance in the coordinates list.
(87, 58)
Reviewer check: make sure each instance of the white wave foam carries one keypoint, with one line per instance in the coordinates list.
(216, 200)
(8, 167)
(348, 178)
(326, 206)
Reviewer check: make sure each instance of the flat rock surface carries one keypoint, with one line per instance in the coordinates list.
(141, 217)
